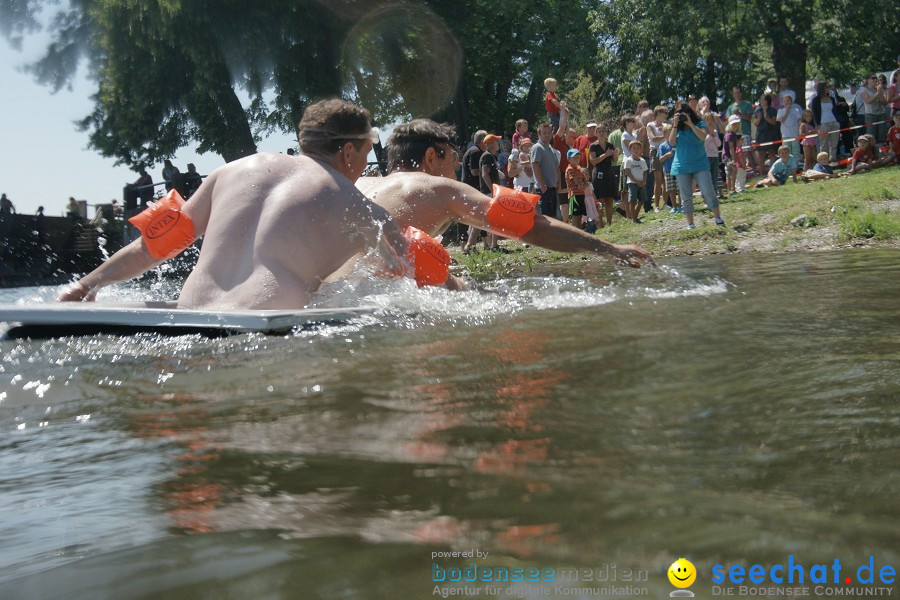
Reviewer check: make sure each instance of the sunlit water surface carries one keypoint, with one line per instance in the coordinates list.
(731, 409)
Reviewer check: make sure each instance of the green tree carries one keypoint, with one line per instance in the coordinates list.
(662, 50)
(169, 72)
(509, 48)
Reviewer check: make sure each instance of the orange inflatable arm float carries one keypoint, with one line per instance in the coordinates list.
(511, 213)
(166, 230)
(430, 259)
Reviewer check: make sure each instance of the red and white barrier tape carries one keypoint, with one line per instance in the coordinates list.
(754, 146)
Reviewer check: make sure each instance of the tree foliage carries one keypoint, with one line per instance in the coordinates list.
(172, 73)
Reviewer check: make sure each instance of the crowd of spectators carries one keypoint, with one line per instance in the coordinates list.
(657, 158)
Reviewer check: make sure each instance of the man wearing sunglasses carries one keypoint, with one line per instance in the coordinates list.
(273, 226)
(421, 190)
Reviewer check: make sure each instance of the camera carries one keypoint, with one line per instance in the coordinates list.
(681, 120)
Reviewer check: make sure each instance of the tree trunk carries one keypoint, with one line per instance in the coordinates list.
(790, 47)
(222, 124)
(789, 59)
(239, 141)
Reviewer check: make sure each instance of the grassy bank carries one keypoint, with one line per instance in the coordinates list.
(862, 210)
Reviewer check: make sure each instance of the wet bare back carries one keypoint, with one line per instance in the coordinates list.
(274, 227)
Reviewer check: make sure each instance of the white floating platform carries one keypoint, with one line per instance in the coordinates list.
(88, 318)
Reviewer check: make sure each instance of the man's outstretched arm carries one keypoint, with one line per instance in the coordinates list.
(135, 259)
(129, 262)
(471, 207)
(555, 235)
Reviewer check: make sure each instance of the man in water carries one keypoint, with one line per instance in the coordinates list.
(421, 190)
(274, 226)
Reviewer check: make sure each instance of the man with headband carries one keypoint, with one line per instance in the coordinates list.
(422, 149)
(273, 226)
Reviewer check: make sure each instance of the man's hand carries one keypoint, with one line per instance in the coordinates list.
(77, 292)
(633, 256)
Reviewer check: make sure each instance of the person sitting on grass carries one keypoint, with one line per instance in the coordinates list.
(821, 171)
(784, 167)
(864, 157)
(880, 160)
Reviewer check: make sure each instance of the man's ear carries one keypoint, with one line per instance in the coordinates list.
(429, 158)
(346, 149)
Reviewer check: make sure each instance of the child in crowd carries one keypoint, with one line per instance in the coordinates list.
(740, 159)
(520, 133)
(894, 138)
(635, 169)
(729, 151)
(784, 167)
(865, 157)
(551, 101)
(666, 155)
(712, 145)
(520, 166)
(576, 182)
(626, 126)
(808, 128)
(821, 171)
(629, 134)
(656, 136)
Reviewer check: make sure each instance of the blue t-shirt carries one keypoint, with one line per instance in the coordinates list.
(664, 148)
(823, 168)
(781, 170)
(690, 153)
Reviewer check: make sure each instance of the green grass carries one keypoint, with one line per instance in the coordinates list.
(859, 209)
(860, 223)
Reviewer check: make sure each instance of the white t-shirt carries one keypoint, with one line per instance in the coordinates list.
(790, 127)
(654, 130)
(521, 180)
(638, 168)
(627, 138)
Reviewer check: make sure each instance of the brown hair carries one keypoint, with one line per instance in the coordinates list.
(409, 142)
(325, 124)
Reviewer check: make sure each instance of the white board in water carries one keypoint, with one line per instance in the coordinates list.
(66, 318)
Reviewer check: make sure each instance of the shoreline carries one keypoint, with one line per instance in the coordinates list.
(859, 211)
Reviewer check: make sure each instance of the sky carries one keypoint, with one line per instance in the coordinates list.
(44, 158)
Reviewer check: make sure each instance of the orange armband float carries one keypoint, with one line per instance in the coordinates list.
(430, 259)
(511, 213)
(165, 229)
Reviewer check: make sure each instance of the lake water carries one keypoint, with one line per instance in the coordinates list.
(730, 409)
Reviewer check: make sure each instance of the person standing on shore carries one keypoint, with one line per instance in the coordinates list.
(690, 164)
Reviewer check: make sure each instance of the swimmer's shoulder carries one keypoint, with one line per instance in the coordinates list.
(403, 181)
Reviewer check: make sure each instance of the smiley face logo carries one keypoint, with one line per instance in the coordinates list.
(682, 573)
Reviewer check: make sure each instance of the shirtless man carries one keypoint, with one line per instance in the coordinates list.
(422, 149)
(274, 226)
